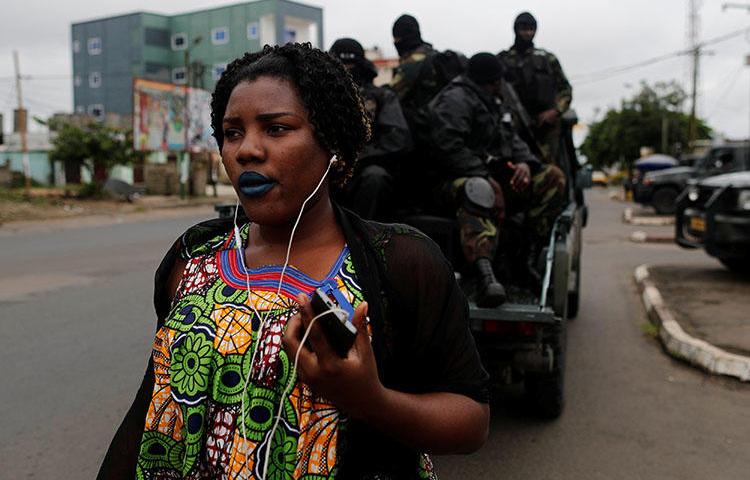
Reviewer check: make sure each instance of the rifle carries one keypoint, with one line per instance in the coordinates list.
(524, 123)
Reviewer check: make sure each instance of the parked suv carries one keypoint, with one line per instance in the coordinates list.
(660, 189)
(714, 214)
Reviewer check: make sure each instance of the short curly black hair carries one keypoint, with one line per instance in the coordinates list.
(334, 106)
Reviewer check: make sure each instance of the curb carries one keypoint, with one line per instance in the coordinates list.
(658, 221)
(639, 236)
(681, 345)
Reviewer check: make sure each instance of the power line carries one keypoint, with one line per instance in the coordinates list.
(729, 86)
(606, 73)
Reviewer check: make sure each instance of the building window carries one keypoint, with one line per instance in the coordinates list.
(156, 37)
(94, 46)
(97, 111)
(290, 35)
(253, 31)
(80, 109)
(179, 41)
(179, 75)
(219, 35)
(77, 81)
(217, 70)
(95, 79)
(76, 46)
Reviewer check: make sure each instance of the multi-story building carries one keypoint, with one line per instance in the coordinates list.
(109, 53)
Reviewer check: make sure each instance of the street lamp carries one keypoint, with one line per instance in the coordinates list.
(185, 167)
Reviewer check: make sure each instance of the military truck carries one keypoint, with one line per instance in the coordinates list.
(524, 339)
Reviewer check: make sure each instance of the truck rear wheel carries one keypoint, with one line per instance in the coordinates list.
(574, 296)
(544, 392)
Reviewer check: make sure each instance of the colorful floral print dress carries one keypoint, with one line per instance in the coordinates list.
(196, 426)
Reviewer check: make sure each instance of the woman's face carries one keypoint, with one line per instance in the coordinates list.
(270, 150)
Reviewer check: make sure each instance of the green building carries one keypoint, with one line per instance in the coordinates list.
(109, 53)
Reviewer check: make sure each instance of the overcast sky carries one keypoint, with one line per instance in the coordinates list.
(586, 35)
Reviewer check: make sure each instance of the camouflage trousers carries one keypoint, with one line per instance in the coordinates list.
(479, 228)
(548, 139)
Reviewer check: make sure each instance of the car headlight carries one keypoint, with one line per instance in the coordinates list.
(743, 200)
(693, 193)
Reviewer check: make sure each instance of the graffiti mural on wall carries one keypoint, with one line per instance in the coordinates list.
(159, 117)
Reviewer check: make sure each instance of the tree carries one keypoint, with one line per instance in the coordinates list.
(653, 117)
(94, 145)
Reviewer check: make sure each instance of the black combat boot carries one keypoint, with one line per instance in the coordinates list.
(490, 293)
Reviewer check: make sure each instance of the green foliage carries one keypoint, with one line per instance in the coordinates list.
(639, 123)
(92, 144)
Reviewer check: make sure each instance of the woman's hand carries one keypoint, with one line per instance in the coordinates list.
(351, 383)
(438, 422)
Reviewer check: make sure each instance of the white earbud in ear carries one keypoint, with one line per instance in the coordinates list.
(333, 160)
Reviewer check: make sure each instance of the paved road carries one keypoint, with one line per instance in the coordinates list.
(76, 323)
(76, 326)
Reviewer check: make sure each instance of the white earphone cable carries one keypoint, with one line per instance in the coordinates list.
(263, 319)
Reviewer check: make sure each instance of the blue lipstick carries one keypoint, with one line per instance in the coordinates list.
(254, 184)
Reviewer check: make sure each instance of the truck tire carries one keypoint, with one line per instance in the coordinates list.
(544, 392)
(737, 265)
(664, 200)
(574, 296)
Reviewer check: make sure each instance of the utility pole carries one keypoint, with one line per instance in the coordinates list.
(185, 167)
(22, 122)
(693, 33)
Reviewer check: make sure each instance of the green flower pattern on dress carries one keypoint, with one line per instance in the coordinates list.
(283, 456)
(191, 364)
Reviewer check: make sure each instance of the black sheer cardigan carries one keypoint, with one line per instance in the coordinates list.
(421, 339)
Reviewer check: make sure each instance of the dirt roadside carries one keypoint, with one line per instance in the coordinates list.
(44, 212)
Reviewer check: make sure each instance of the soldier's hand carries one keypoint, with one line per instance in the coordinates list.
(548, 116)
(521, 176)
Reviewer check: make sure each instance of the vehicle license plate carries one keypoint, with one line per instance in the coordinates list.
(698, 224)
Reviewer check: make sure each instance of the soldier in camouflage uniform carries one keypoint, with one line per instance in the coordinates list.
(415, 80)
(422, 72)
(370, 191)
(538, 78)
(489, 172)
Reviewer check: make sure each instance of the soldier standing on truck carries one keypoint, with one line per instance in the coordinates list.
(414, 79)
(487, 169)
(538, 78)
(370, 191)
(421, 73)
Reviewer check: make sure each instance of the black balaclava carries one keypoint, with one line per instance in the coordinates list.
(406, 30)
(484, 68)
(525, 19)
(351, 53)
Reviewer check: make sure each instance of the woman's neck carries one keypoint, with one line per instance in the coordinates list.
(317, 230)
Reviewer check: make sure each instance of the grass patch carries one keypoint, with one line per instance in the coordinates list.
(649, 329)
(16, 195)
